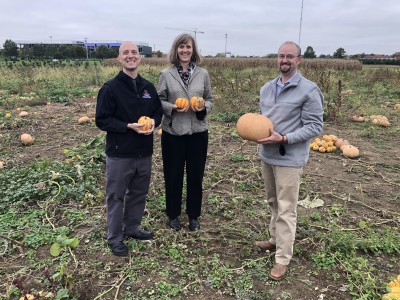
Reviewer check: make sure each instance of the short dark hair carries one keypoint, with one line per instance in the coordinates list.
(183, 38)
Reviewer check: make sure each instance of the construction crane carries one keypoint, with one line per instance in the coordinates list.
(195, 30)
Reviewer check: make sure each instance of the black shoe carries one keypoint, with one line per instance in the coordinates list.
(141, 234)
(119, 249)
(174, 224)
(194, 224)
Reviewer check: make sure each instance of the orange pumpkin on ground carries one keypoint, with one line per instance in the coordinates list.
(83, 120)
(253, 127)
(26, 139)
(350, 151)
(357, 118)
(182, 103)
(147, 123)
(380, 120)
(197, 102)
(340, 142)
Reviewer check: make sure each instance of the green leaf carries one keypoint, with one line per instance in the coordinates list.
(61, 239)
(61, 294)
(55, 249)
(74, 243)
(362, 224)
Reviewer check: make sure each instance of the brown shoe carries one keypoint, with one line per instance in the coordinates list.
(278, 272)
(265, 245)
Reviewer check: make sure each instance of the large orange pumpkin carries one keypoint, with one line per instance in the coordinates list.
(253, 127)
(350, 151)
(182, 103)
(146, 121)
(197, 102)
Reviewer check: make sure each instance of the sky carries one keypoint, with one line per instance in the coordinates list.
(244, 28)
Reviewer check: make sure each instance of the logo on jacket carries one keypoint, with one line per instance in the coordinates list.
(146, 95)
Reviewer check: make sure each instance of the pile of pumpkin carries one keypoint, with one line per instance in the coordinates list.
(331, 143)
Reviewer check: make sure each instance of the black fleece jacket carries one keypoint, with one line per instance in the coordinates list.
(118, 103)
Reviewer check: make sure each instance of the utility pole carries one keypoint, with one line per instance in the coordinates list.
(301, 20)
(51, 45)
(87, 51)
(226, 42)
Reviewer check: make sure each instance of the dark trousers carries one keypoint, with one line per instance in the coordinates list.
(128, 181)
(178, 151)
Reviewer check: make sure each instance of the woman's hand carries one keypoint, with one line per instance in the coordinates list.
(181, 109)
(198, 109)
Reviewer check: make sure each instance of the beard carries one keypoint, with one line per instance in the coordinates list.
(285, 68)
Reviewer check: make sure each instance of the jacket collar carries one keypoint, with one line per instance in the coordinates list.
(294, 80)
(127, 79)
(174, 72)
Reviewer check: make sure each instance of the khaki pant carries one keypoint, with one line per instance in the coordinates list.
(282, 187)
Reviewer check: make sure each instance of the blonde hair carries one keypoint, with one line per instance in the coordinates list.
(183, 38)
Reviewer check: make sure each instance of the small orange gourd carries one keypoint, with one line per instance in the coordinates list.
(146, 121)
(83, 120)
(357, 118)
(197, 102)
(340, 142)
(253, 127)
(182, 103)
(26, 139)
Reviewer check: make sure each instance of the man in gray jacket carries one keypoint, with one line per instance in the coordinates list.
(295, 107)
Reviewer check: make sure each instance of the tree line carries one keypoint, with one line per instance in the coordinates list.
(55, 51)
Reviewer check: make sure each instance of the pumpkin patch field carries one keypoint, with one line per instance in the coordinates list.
(52, 191)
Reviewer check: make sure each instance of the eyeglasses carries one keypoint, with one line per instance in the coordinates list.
(289, 56)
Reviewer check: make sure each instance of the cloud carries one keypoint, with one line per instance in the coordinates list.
(254, 27)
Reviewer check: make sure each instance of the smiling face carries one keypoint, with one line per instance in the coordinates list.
(129, 57)
(288, 59)
(185, 52)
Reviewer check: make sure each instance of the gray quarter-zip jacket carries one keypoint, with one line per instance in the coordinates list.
(171, 87)
(296, 112)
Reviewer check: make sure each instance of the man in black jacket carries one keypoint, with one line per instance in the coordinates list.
(120, 103)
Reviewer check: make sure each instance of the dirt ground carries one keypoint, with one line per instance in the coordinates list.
(367, 187)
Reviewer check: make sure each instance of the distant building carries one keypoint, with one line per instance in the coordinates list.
(144, 48)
